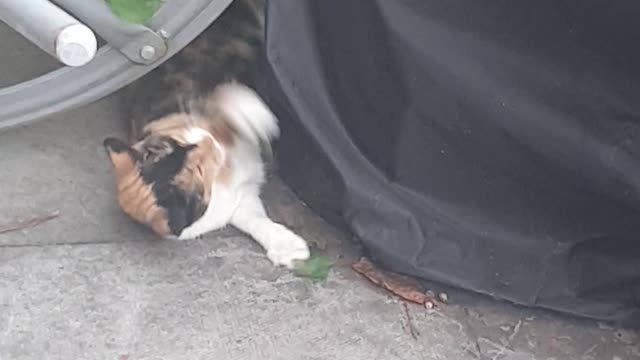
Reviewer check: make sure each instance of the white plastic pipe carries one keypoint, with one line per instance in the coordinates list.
(51, 29)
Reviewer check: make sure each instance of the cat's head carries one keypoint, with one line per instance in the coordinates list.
(164, 180)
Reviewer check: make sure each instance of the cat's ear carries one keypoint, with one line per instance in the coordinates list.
(115, 146)
(121, 156)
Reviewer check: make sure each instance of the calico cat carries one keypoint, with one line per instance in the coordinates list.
(193, 162)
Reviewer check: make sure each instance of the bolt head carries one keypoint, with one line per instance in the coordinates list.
(147, 52)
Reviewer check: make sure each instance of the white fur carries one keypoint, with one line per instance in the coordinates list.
(195, 135)
(248, 114)
(238, 203)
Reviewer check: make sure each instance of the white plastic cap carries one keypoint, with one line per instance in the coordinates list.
(76, 45)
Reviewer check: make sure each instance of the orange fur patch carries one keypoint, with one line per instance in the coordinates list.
(135, 197)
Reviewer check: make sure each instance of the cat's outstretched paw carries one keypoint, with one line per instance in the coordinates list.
(286, 248)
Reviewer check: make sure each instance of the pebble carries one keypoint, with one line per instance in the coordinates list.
(428, 305)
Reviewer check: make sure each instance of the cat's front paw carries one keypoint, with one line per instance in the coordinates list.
(287, 248)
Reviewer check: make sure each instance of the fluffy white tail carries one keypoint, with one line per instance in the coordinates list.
(247, 113)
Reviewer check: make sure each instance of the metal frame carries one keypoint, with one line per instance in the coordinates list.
(131, 39)
(177, 21)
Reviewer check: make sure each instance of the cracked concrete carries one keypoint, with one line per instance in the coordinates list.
(92, 285)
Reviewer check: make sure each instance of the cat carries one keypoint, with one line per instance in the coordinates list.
(196, 128)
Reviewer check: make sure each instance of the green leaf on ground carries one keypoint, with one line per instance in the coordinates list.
(316, 268)
(135, 11)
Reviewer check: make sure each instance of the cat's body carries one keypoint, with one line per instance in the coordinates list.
(193, 163)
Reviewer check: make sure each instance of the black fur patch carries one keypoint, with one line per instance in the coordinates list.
(183, 208)
(162, 160)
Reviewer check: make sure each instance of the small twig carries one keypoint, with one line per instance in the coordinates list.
(21, 225)
(413, 331)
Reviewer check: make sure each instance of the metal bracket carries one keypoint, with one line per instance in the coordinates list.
(144, 48)
(138, 43)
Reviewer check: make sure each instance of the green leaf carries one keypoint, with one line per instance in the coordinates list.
(135, 11)
(316, 268)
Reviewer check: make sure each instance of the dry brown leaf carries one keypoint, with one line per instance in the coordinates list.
(395, 286)
(21, 225)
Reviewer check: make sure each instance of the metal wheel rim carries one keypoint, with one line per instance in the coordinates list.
(67, 88)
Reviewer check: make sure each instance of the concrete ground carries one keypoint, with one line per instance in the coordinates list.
(91, 285)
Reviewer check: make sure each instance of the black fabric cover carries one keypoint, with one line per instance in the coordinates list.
(488, 145)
